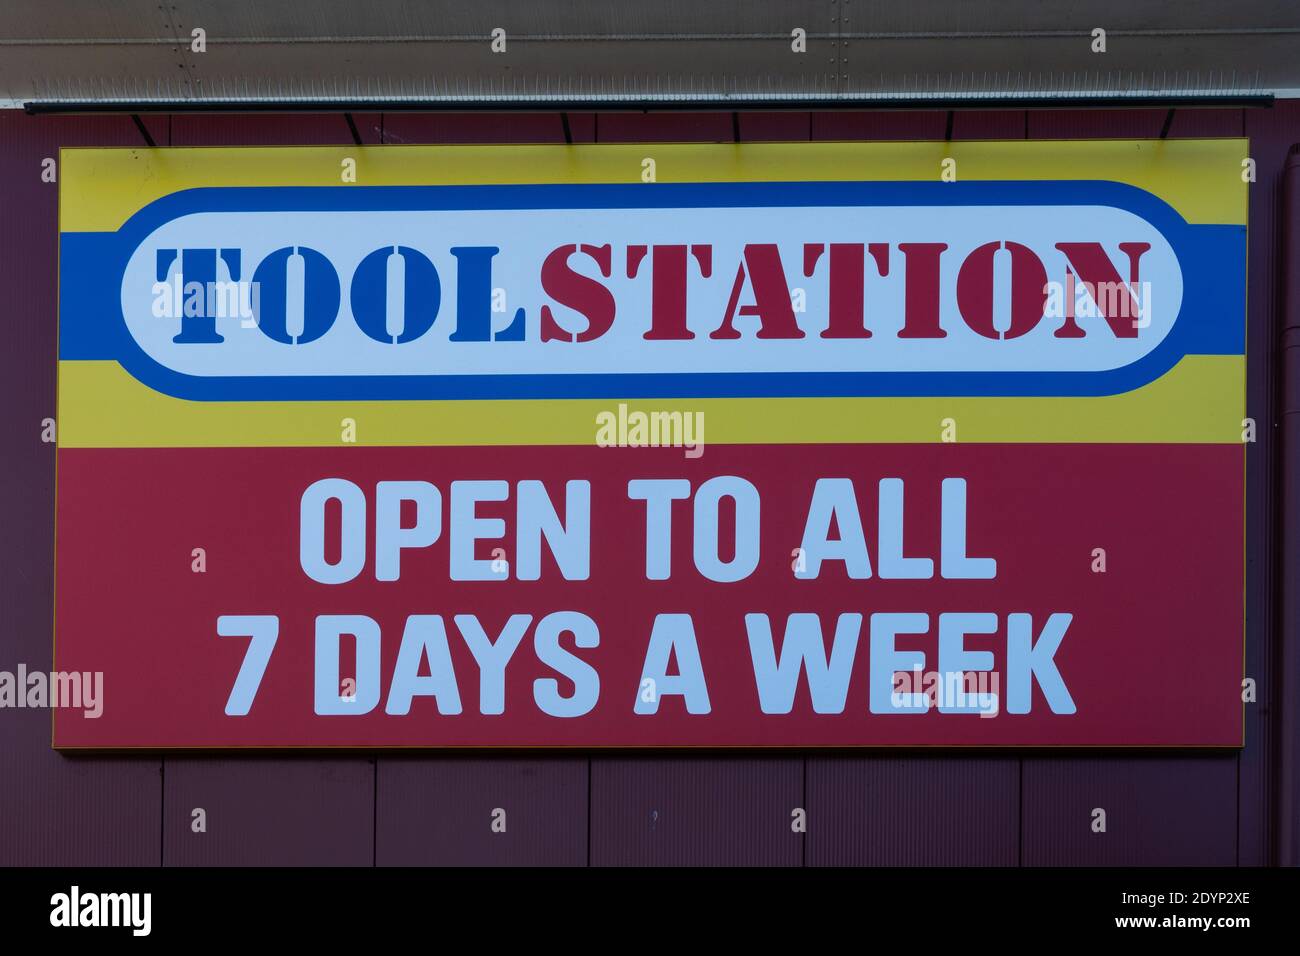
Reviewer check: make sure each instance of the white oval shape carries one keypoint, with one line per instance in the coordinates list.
(526, 236)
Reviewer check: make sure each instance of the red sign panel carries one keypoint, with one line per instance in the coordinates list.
(1029, 577)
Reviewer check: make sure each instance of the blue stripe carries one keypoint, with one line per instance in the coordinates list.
(1211, 321)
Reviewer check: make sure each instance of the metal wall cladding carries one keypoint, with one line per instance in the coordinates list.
(998, 808)
(259, 811)
(913, 811)
(54, 810)
(673, 811)
(482, 811)
(400, 128)
(1129, 811)
(1271, 135)
(327, 129)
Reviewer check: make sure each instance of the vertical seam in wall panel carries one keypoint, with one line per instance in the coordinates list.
(588, 811)
(374, 808)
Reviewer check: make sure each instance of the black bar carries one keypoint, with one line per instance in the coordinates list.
(1169, 121)
(352, 126)
(307, 904)
(144, 130)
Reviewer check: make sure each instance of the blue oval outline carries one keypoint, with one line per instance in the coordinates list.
(92, 265)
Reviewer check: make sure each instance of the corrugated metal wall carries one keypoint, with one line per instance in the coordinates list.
(607, 809)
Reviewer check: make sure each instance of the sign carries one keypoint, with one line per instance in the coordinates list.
(798, 445)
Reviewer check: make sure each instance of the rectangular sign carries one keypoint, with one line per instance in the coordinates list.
(796, 445)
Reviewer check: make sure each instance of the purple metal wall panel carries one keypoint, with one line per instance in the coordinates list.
(664, 128)
(1095, 124)
(854, 125)
(477, 128)
(482, 811)
(54, 810)
(654, 809)
(1192, 123)
(310, 129)
(370, 128)
(1159, 811)
(582, 127)
(988, 124)
(1271, 133)
(268, 812)
(913, 811)
(696, 811)
(775, 127)
(69, 811)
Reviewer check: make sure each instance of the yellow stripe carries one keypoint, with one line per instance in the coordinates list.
(1201, 400)
(100, 189)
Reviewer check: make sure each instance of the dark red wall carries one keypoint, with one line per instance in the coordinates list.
(995, 808)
